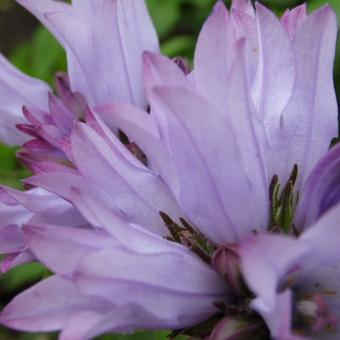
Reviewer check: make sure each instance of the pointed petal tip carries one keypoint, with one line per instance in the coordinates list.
(219, 6)
(151, 59)
(261, 7)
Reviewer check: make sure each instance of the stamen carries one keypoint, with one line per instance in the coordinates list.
(189, 237)
(283, 203)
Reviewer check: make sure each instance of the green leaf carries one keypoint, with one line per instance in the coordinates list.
(314, 4)
(179, 46)
(42, 57)
(165, 15)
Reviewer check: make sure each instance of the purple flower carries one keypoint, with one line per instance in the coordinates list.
(236, 147)
(296, 282)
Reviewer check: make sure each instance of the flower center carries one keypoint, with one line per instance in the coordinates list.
(312, 313)
(236, 317)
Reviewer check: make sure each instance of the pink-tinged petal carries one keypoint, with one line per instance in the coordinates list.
(244, 6)
(15, 259)
(292, 19)
(265, 260)
(205, 147)
(135, 190)
(321, 191)
(62, 248)
(48, 306)
(213, 55)
(275, 77)
(313, 101)
(62, 117)
(179, 288)
(74, 101)
(17, 90)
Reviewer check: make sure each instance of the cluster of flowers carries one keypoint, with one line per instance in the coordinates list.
(204, 201)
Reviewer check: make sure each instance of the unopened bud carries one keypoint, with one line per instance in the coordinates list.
(226, 262)
(182, 64)
(238, 329)
(74, 101)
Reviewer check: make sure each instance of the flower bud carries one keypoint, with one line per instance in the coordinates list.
(226, 262)
(237, 329)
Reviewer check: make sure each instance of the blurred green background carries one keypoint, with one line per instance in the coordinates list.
(30, 47)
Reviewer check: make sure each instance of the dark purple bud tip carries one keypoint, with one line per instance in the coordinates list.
(182, 64)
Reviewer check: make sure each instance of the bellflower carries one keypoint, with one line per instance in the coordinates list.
(181, 203)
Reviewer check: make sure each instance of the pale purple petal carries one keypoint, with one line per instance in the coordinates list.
(17, 90)
(179, 288)
(31, 310)
(323, 238)
(15, 259)
(124, 319)
(159, 70)
(279, 320)
(292, 19)
(310, 120)
(265, 260)
(321, 191)
(62, 248)
(135, 190)
(11, 239)
(244, 6)
(205, 147)
(139, 23)
(246, 27)
(141, 128)
(275, 77)
(213, 55)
